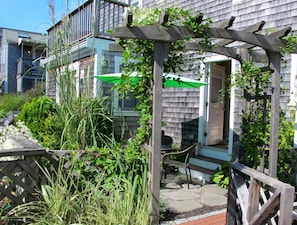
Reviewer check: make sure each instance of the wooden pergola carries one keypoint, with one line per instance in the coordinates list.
(249, 39)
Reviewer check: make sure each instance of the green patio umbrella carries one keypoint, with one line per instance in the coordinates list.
(169, 80)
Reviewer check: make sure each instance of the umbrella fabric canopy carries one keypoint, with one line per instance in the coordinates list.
(169, 80)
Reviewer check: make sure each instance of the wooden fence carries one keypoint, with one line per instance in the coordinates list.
(255, 198)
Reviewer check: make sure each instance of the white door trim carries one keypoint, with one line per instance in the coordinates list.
(215, 153)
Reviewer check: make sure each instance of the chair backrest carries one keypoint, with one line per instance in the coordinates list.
(166, 140)
(189, 151)
(185, 153)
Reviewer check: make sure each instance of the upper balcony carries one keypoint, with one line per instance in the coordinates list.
(92, 18)
(29, 68)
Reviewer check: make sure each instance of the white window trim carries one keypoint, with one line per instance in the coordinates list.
(293, 78)
(293, 92)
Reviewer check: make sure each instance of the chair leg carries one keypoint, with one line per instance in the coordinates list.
(190, 175)
(187, 176)
(165, 171)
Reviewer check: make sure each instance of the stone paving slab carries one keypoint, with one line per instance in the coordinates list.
(180, 199)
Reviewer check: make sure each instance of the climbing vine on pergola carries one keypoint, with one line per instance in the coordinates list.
(249, 42)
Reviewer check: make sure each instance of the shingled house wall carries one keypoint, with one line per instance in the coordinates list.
(182, 106)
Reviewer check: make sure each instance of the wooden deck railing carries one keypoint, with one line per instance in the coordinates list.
(26, 67)
(255, 198)
(93, 17)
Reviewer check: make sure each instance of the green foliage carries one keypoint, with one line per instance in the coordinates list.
(256, 133)
(139, 56)
(86, 120)
(287, 155)
(64, 201)
(120, 161)
(2, 113)
(290, 44)
(39, 115)
(15, 101)
(221, 176)
(256, 115)
(87, 123)
(11, 102)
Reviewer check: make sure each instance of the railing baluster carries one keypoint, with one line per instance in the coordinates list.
(276, 205)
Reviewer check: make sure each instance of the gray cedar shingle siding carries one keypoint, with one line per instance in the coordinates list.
(278, 14)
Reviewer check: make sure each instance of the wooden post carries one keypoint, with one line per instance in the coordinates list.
(274, 59)
(286, 205)
(156, 129)
(231, 204)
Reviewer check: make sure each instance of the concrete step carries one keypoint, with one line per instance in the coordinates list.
(204, 167)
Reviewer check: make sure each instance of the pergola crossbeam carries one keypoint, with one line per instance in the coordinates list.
(276, 35)
(128, 21)
(280, 33)
(253, 29)
(174, 33)
(164, 18)
(226, 23)
(232, 52)
(199, 18)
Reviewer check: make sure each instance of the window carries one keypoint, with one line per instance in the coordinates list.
(23, 35)
(110, 64)
(127, 102)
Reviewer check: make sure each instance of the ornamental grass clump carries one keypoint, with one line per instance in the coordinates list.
(65, 199)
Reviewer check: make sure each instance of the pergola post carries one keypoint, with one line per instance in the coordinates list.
(159, 56)
(274, 59)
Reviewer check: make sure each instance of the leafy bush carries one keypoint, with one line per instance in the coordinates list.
(287, 156)
(221, 177)
(39, 115)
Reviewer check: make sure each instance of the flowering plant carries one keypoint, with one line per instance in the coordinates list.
(19, 129)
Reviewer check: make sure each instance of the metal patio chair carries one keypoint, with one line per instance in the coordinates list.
(184, 154)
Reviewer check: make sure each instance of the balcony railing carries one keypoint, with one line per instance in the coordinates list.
(27, 67)
(94, 17)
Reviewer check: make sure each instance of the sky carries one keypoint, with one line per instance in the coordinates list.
(33, 15)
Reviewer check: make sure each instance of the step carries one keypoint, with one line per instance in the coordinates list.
(203, 176)
(204, 167)
(206, 162)
(209, 159)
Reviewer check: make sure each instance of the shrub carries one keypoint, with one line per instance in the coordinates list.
(39, 115)
(221, 177)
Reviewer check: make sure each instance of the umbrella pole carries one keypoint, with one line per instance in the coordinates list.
(159, 54)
